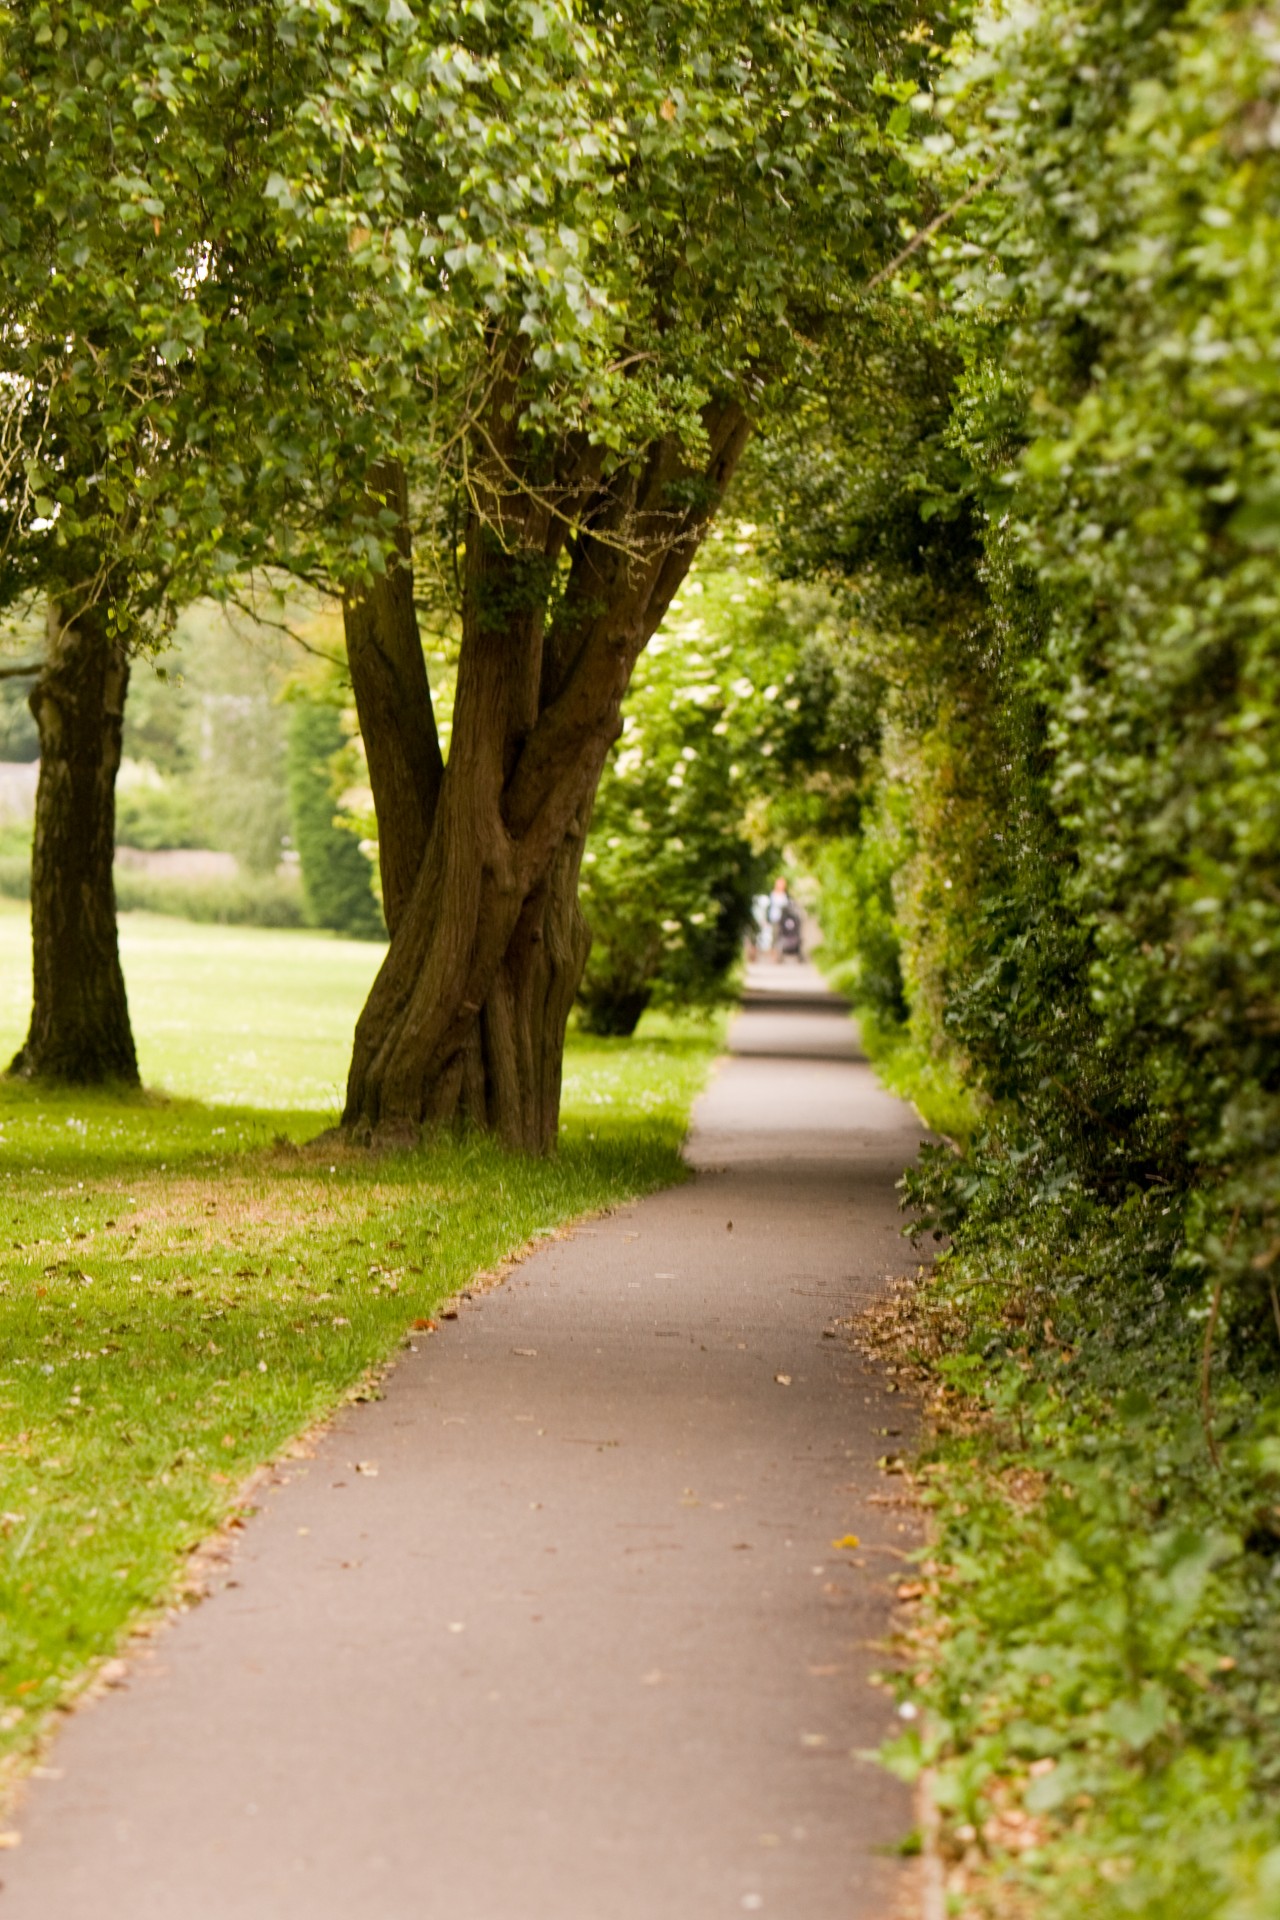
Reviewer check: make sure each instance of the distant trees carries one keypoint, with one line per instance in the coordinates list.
(689, 809)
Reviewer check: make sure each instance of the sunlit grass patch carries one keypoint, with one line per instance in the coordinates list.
(248, 1016)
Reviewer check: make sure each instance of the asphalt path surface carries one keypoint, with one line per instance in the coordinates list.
(559, 1629)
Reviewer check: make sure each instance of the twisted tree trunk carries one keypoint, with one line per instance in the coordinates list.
(397, 721)
(466, 1019)
(80, 1030)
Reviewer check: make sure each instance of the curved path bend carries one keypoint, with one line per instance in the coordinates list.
(584, 1648)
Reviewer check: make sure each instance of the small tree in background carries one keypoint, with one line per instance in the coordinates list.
(337, 880)
(679, 842)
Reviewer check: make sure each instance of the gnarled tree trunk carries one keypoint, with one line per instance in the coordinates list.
(80, 1030)
(397, 722)
(567, 577)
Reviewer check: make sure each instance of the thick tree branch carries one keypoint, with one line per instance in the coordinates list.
(614, 605)
(393, 700)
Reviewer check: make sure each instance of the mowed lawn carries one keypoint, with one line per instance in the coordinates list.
(186, 1283)
(240, 1015)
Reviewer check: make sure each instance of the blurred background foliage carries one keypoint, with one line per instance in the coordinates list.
(232, 802)
(682, 837)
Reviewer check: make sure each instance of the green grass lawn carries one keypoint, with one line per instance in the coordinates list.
(231, 1014)
(185, 1284)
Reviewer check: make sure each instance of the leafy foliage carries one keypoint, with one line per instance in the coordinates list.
(1048, 482)
(336, 876)
(671, 867)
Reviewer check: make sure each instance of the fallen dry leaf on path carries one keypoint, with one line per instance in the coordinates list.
(783, 1379)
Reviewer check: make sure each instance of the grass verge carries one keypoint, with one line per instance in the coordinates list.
(185, 1287)
(1092, 1673)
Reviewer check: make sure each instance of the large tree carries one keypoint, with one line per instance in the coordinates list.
(293, 285)
(190, 363)
(739, 187)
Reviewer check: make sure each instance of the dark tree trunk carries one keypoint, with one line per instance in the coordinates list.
(393, 700)
(80, 1030)
(511, 1082)
(466, 1020)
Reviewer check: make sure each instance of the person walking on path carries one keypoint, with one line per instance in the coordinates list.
(578, 1621)
(785, 926)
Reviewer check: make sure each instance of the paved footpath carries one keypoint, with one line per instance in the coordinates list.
(582, 1648)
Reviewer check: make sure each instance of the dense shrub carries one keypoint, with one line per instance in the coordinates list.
(337, 880)
(15, 876)
(249, 900)
(19, 737)
(152, 817)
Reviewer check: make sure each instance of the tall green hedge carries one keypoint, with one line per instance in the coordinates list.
(1051, 479)
(337, 879)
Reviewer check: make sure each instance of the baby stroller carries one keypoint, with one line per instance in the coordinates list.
(788, 933)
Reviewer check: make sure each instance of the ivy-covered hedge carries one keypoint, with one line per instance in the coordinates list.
(1051, 482)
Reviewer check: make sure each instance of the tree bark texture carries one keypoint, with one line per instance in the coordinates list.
(80, 1030)
(567, 576)
(393, 700)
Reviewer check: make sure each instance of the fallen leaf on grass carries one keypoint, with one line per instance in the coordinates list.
(424, 1326)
